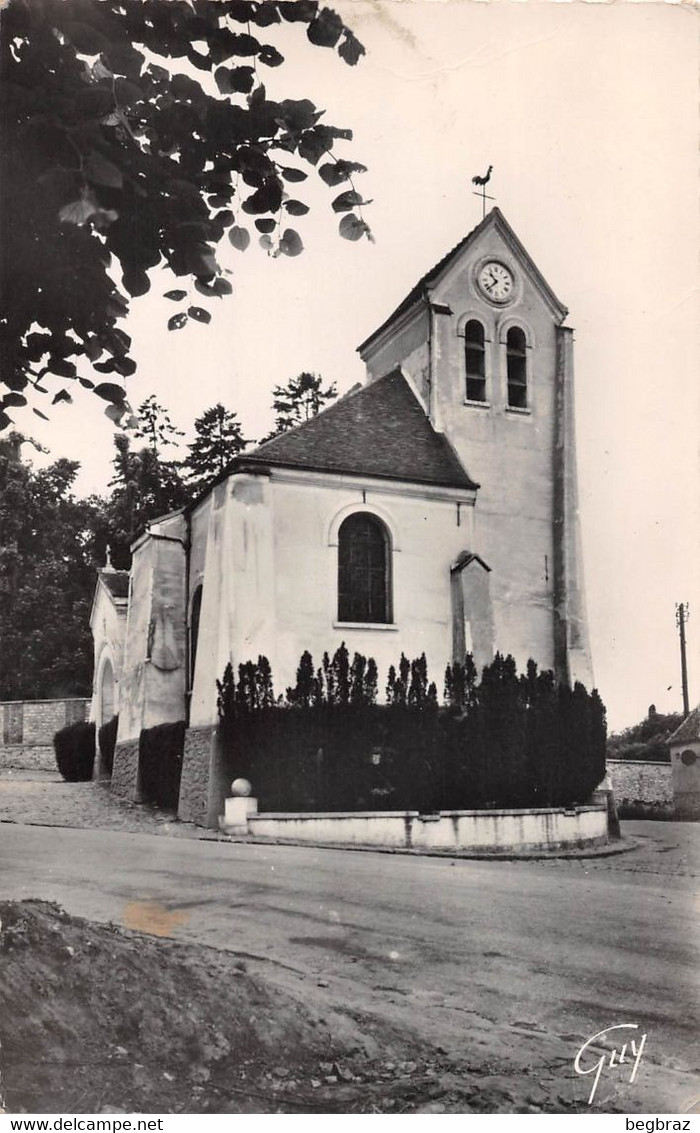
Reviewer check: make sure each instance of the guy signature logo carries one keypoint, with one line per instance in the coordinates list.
(613, 1057)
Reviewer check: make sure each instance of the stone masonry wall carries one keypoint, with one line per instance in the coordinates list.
(22, 758)
(194, 783)
(641, 788)
(125, 773)
(27, 729)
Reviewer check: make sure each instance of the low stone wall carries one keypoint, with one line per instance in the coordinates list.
(459, 831)
(195, 780)
(27, 729)
(21, 758)
(641, 789)
(125, 772)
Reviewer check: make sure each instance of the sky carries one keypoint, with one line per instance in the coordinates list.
(588, 113)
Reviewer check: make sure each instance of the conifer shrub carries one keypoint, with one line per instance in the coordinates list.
(502, 741)
(74, 747)
(107, 740)
(160, 763)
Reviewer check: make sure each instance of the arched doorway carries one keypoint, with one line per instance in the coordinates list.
(106, 720)
(107, 702)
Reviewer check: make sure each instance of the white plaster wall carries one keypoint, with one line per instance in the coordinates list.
(686, 779)
(270, 584)
(109, 630)
(151, 693)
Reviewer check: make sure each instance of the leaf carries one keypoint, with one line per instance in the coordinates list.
(298, 11)
(40, 414)
(102, 172)
(62, 368)
(266, 14)
(199, 314)
(347, 201)
(270, 56)
(62, 395)
(290, 174)
(241, 10)
(95, 101)
(176, 294)
(297, 114)
(14, 399)
(178, 321)
(115, 412)
(313, 146)
(4, 419)
(78, 212)
(87, 383)
(350, 49)
(109, 391)
(353, 228)
(267, 224)
(136, 282)
(86, 39)
(124, 366)
(239, 237)
(128, 92)
(267, 198)
(266, 243)
(296, 208)
(335, 172)
(290, 244)
(107, 367)
(326, 29)
(222, 287)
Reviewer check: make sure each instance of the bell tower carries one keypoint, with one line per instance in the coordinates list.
(482, 340)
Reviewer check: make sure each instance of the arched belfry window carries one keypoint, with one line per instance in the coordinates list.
(516, 362)
(475, 356)
(195, 611)
(364, 570)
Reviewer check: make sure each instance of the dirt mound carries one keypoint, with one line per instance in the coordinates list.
(98, 1018)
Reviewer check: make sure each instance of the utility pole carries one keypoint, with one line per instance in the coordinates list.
(682, 615)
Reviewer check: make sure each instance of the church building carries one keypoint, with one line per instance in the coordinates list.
(431, 510)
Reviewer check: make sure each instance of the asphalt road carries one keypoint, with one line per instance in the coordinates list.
(510, 964)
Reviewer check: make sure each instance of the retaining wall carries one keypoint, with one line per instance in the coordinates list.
(641, 788)
(458, 831)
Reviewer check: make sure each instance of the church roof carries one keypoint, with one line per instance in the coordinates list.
(116, 581)
(379, 430)
(494, 217)
(688, 731)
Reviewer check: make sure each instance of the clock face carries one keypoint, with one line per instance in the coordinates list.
(496, 281)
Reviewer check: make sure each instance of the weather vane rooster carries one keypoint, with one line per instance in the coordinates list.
(482, 182)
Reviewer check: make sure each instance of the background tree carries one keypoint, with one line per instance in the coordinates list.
(300, 400)
(218, 438)
(112, 160)
(144, 487)
(50, 543)
(155, 427)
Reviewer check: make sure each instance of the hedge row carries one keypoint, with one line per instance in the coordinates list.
(504, 741)
(74, 747)
(160, 763)
(107, 740)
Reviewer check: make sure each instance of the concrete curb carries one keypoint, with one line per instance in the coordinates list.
(610, 850)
